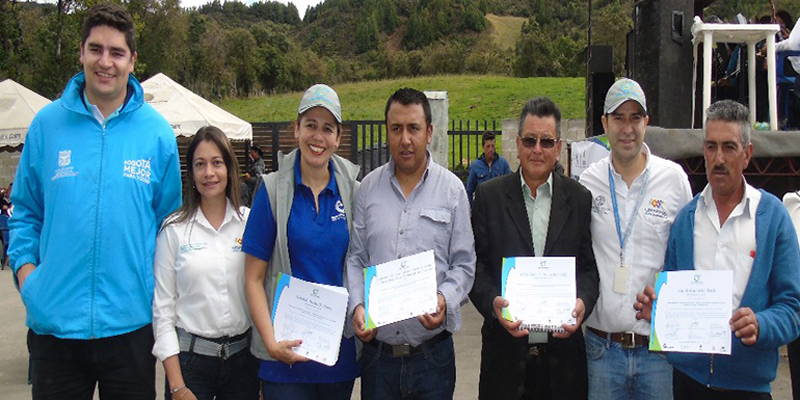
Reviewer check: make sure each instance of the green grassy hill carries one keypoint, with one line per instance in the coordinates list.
(504, 30)
(471, 97)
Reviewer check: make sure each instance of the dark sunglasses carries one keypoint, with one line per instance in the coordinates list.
(546, 143)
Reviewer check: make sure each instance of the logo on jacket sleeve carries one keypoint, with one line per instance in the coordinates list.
(65, 170)
(137, 169)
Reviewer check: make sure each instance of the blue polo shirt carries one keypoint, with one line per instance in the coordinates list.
(318, 244)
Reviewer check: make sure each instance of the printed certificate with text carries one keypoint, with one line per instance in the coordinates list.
(692, 311)
(540, 291)
(313, 313)
(400, 289)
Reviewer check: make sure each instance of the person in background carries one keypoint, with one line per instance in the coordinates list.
(300, 225)
(200, 318)
(489, 165)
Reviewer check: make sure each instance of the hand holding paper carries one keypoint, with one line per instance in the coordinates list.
(360, 325)
(433, 321)
(514, 328)
(744, 324)
(578, 313)
(644, 303)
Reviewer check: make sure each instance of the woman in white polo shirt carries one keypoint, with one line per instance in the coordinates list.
(200, 316)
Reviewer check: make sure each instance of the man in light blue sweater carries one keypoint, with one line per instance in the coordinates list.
(732, 226)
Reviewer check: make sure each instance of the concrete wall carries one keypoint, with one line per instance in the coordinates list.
(440, 113)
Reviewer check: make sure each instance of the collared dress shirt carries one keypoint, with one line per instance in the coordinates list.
(199, 274)
(538, 211)
(731, 246)
(387, 226)
(666, 193)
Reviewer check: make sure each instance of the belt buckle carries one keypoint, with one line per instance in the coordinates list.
(628, 340)
(401, 350)
(535, 350)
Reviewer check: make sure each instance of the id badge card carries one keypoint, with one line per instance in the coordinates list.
(621, 279)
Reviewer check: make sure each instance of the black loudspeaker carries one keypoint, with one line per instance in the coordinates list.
(600, 79)
(662, 59)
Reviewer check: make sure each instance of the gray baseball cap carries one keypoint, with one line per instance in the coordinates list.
(321, 95)
(621, 91)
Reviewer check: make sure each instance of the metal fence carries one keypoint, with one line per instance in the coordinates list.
(364, 143)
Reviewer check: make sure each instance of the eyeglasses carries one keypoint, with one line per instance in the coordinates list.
(546, 142)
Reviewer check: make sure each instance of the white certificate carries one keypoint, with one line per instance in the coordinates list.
(400, 289)
(540, 292)
(313, 313)
(692, 312)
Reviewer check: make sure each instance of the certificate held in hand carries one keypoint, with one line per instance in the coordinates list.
(692, 311)
(540, 292)
(313, 313)
(400, 289)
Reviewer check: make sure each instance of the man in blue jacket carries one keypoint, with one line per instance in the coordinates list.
(489, 165)
(98, 173)
(730, 225)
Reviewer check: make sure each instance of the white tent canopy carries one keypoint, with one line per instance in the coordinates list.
(188, 112)
(18, 106)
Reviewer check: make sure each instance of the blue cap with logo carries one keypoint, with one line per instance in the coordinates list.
(321, 95)
(621, 91)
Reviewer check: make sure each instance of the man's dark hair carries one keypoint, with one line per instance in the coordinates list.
(541, 107)
(112, 15)
(409, 96)
(486, 137)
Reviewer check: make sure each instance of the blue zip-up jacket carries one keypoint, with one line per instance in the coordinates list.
(88, 200)
(772, 292)
(480, 172)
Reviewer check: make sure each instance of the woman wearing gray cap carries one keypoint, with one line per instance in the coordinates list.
(300, 225)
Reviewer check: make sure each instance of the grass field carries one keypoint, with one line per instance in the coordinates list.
(473, 97)
(505, 30)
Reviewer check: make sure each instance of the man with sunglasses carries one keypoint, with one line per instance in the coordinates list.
(532, 212)
(636, 197)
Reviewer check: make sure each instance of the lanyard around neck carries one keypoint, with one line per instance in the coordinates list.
(624, 237)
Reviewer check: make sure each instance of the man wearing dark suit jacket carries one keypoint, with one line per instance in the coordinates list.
(532, 212)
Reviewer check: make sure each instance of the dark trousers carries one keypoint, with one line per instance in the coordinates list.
(686, 388)
(212, 378)
(307, 391)
(537, 375)
(430, 375)
(122, 366)
(794, 367)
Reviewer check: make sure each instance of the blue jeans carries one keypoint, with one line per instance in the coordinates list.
(429, 375)
(624, 374)
(212, 378)
(307, 391)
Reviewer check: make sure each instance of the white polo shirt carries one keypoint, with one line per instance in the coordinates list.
(731, 246)
(199, 274)
(666, 193)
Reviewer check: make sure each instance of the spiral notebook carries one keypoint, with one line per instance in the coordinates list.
(541, 292)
